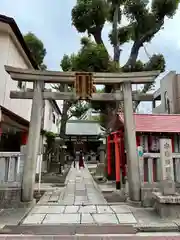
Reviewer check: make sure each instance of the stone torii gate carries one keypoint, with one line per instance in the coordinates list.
(39, 78)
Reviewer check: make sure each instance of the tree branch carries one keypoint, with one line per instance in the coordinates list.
(96, 31)
(70, 116)
(138, 43)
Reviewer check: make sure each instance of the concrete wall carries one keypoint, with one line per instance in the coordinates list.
(11, 56)
(177, 93)
(50, 113)
(159, 109)
(168, 84)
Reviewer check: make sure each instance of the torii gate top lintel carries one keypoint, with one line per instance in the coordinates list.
(31, 75)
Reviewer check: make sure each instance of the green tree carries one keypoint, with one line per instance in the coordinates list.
(91, 57)
(70, 108)
(36, 48)
(145, 19)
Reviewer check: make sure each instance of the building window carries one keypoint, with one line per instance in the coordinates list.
(20, 84)
(54, 118)
(167, 103)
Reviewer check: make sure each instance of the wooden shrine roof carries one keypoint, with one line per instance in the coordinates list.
(83, 128)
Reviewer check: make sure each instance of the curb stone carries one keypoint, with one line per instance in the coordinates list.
(157, 227)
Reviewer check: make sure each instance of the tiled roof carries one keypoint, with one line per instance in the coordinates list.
(83, 128)
(156, 122)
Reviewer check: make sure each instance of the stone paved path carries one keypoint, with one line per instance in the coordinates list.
(80, 202)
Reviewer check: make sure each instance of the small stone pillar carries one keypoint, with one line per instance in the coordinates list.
(100, 170)
(167, 171)
(150, 170)
(57, 154)
(167, 201)
(102, 150)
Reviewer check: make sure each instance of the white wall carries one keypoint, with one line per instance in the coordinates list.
(48, 118)
(12, 54)
(9, 55)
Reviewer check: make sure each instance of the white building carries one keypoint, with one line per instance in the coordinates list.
(167, 97)
(15, 113)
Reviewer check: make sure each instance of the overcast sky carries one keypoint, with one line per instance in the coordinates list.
(51, 22)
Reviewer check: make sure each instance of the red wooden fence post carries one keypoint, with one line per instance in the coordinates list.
(117, 161)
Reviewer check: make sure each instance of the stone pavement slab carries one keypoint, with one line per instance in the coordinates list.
(126, 218)
(48, 209)
(88, 209)
(12, 216)
(105, 218)
(87, 219)
(62, 219)
(72, 209)
(34, 219)
(104, 209)
(120, 208)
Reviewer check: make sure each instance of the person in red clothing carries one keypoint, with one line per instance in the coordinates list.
(81, 159)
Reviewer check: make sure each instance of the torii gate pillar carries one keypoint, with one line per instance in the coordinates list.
(33, 144)
(132, 159)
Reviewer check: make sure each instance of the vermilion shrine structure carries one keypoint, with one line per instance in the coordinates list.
(149, 128)
(39, 78)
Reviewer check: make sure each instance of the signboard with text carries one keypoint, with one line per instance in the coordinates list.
(166, 159)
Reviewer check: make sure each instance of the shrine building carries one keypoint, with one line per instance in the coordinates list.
(149, 129)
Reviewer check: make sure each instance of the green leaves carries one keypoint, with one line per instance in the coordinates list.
(66, 63)
(162, 8)
(88, 14)
(145, 18)
(157, 62)
(79, 109)
(135, 9)
(36, 47)
(91, 58)
(112, 8)
(124, 34)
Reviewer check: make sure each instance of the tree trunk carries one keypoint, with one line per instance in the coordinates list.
(115, 35)
(64, 119)
(116, 45)
(133, 56)
(97, 34)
